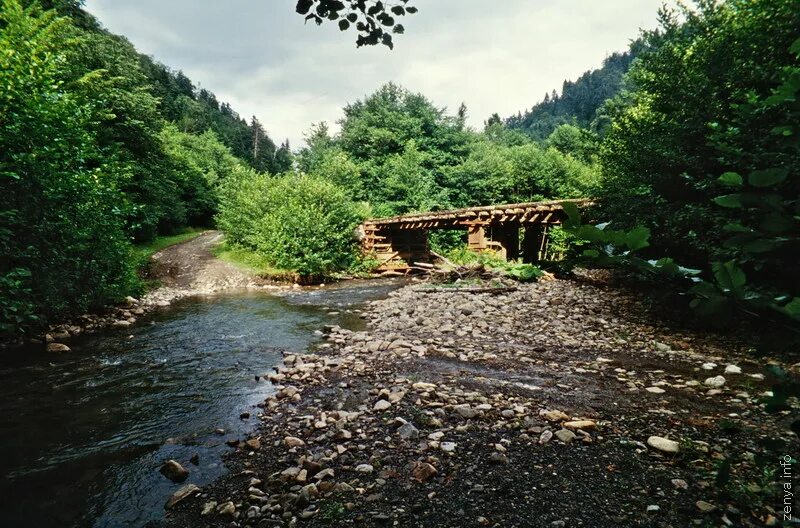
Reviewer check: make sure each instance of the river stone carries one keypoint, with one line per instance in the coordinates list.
(364, 468)
(546, 436)
(209, 508)
(407, 431)
(395, 397)
(733, 369)
(447, 447)
(174, 471)
(381, 405)
(555, 416)
(253, 443)
(498, 458)
(423, 471)
(565, 435)
(293, 441)
(715, 382)
(663, 444)
(186, 491)
(705, 507)
(655, 390)
(227, 508)
(57, 348)
(680, 484)
(466, 411)
(580, 424)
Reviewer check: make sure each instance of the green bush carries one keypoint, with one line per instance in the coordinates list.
(61, 238)
(298, 222)
(514, 269)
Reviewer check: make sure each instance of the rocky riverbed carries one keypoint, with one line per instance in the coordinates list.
(561, 403)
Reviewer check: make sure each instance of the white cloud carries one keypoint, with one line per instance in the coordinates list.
(494, 56)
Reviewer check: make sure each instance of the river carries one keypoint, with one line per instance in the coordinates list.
(83, 434)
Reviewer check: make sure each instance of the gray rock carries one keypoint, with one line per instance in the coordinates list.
(466, 411)
(498, 458)
(382, 405)
(408, 431)
(186, 491)
(663, 444)
(174, 471)
(565, 435)
(705, 507)
(715, 382)
(546, 436)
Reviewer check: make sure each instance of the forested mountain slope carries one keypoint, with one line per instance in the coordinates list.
(579, 100)
(193, 109)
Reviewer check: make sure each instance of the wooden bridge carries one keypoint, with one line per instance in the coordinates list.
(511, 230)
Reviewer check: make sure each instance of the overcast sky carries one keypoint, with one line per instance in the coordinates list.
(496, 56)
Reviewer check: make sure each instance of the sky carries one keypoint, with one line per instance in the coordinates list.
(496, 56)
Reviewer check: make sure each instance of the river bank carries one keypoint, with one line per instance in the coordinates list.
(86, 432)
(562, 403)
(183, 270)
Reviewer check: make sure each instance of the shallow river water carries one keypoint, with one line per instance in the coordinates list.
(82, 435)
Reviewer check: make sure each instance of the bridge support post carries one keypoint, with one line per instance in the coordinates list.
(533, 243)
(476, 238)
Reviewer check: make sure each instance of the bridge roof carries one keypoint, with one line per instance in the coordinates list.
(528, 213)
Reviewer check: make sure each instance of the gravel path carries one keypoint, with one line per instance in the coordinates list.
(190, 268)
(563, 403)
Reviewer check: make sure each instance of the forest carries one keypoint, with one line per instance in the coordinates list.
(102, 148)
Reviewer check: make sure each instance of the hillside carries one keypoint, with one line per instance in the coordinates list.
(579, 100)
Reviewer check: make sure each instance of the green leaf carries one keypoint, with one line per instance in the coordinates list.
(731, 179)
(573, 215)
(736, 227)
(344, 24)
(637, 238)
(767, 177)
(731, 201)
(303, 6)
(729, 276)
(795, 47)
(792, 308)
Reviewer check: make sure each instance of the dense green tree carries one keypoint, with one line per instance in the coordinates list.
(575, 141)
(198, 165)
(693, 116)
(61, 234)
(500, 173)
(378, 129)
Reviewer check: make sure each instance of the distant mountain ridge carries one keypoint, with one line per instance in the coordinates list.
(579, 100)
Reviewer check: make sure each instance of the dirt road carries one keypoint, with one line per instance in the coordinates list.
(191, 268)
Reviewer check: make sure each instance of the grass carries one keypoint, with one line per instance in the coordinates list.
(251, 261)
(145, 251)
